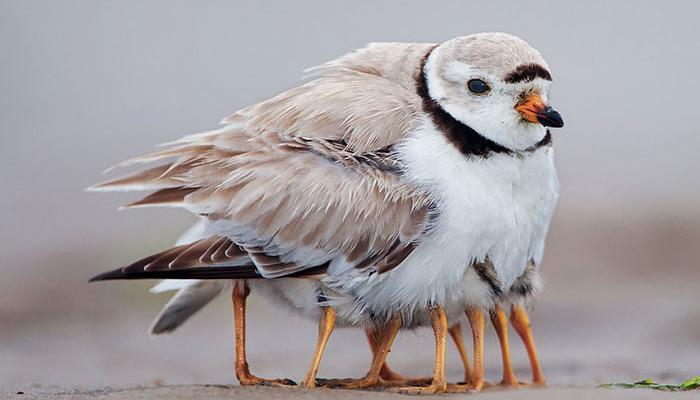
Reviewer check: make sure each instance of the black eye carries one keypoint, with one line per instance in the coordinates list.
(477, 86)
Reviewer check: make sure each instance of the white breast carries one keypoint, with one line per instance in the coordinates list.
(497, 207)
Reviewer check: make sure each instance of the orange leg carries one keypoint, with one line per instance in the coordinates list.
(521, 323)
(439, 382)
(500, 323)
(325, 328)
(476, 320)
(387, 376)
(385, 373)
(383, 338)
(240, 293)
(456, 333)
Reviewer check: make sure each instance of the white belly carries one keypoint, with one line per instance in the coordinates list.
(497, 208)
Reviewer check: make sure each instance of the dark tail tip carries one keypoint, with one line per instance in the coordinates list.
(108, 276)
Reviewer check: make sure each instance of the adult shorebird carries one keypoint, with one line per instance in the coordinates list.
(411, 180)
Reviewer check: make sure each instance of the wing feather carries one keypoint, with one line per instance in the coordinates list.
(303, 178)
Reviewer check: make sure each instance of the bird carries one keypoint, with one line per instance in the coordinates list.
(412, 180)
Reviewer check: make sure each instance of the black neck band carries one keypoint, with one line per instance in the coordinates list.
(466, 139)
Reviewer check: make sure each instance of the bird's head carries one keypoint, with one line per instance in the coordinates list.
(496, 84)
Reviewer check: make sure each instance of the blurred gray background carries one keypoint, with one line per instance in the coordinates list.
(86, 84)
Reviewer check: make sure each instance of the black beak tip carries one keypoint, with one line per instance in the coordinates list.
(550, 118)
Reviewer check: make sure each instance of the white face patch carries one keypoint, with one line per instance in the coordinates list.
(493, 114)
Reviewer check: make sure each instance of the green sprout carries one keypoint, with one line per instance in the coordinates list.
(690, 384)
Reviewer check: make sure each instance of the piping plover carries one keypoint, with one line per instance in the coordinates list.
(412, 180)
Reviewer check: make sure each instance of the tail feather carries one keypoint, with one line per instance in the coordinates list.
(169, 285)
(160, 177)
(215, 257)
(236, 272)
(190, 261)
(172, 197)
(191, 296)
(188, 301)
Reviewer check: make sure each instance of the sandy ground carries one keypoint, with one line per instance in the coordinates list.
(620, 305)
(236, 392)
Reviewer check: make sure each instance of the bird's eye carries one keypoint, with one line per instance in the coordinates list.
(477, 86)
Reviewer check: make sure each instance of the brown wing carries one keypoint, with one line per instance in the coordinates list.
(216, 257)
(303, 178)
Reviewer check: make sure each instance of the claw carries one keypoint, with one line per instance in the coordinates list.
(419, 390)
(253, 380)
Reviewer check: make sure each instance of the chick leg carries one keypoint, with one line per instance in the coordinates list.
(239, 295)
(387, 376)
(500, 323)
(385, 373)
(439, 383)
(456, 334)
(476, 320)
(385, 338)
(325, 328)
(521, 323)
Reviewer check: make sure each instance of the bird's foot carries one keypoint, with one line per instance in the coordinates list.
(534, 384)
(505, 384)
(350, 383)
(515, 384)
(252, 380)
(398, 380)
(433, 388)
(462, 387)
(469, 387)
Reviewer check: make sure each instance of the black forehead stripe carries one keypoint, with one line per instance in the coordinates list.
(527, 73)
(467, 140)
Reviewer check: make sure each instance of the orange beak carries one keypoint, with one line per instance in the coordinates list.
(534, 109)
